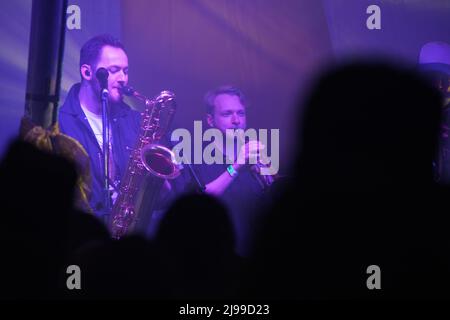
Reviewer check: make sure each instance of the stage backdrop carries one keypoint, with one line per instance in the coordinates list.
(270, 49)
(266, 48)
(405, 25)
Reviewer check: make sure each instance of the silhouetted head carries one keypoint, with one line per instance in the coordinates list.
(369, 126)
(197, 224)
(36, 194)
(195, 246)
(36, 184)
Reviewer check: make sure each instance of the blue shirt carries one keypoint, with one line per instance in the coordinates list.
(125, 126)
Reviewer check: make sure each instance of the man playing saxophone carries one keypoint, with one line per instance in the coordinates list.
(81, 116)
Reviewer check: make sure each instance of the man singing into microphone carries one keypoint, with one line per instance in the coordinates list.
(234, 184)
(81, 115)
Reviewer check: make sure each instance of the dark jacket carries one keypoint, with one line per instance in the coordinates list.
(125, 124)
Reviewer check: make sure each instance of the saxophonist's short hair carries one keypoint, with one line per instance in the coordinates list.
(227, 89)
(90, 52)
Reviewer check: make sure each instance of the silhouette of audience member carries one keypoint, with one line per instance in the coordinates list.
(195, 244)
(363, 194)
(37, 191)
(85, 230)
(41, 228)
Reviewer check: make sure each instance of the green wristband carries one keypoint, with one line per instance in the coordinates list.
(233, 173)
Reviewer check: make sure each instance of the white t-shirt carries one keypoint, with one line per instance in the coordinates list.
(96, 123)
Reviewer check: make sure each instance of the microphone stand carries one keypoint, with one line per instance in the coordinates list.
(199, 186)
(106, 138)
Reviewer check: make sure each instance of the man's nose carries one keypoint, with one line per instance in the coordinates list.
(122, 77)
(235, 119)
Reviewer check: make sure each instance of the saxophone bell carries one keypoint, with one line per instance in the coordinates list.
(160, 161)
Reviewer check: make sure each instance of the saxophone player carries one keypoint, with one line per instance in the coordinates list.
(81, 115)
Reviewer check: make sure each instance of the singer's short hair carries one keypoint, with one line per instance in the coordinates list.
(228, 89)
(90, 52)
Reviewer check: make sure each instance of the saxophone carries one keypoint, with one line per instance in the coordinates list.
(148, 166)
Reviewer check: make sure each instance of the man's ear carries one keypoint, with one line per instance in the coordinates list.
(86, 72)
(210, 120)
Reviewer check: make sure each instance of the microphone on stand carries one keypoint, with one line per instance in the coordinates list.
(102, 75)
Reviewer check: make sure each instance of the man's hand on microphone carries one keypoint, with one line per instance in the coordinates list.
(248, 151)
